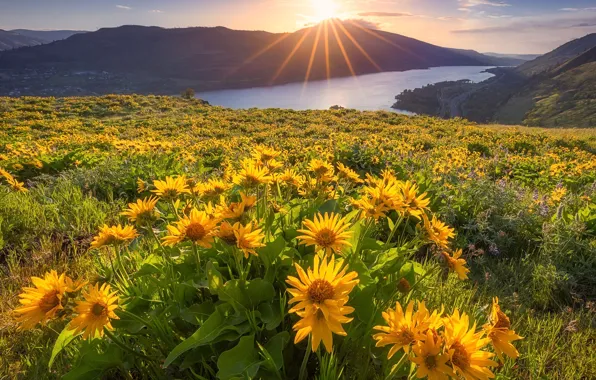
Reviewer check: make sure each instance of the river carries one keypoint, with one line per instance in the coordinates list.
(364, 92)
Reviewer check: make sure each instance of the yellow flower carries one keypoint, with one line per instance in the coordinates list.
(226, 233)
(171, 188)
(320, 296)
(557, 195)
(114, 235)
(251, 175)
(142, 212)
(95, 312)
(41, 303)
(413, 204)
(213, 188)
(499, 333)
(430, 358)
(405, 329)
(248, 239)
(198, 228)
(12, 182)
(370, 208)
(290, 177)
(438, 232)
(235, 210)
(141, 185)
(326, 232)
(457, 264)
(323, 170)
(464, 347)
(264, 153)
(348, 174)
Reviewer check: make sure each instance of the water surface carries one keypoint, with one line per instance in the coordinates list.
(364, 92)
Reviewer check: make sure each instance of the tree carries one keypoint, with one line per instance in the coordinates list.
(189, 93)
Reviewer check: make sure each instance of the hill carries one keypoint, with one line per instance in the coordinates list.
(11, 40)
(442, 215)
(556, 89)
(158, 60)
(502, 60)
(47, 35)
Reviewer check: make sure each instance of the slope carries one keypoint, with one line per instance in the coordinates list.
(209, 58)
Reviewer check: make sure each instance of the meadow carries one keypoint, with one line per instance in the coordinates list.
(159, 237)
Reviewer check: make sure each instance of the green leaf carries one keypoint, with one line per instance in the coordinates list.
(363, 303)
(270, 252)
(65, 337)
(270, 316)
(211, 329)
(214, 278)
(149, 266)
(241, 361)
(260, 291)
(92, 364)
(196, 313)
(242, 295)
(329, 206)
(275, 348)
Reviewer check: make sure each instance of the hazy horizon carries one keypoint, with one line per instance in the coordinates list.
(507, 26)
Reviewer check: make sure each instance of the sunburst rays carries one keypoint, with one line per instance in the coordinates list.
(325, 33)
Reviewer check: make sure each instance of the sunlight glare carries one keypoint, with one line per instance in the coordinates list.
(324, 9)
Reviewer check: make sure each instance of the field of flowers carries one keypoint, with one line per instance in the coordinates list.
(156, 237)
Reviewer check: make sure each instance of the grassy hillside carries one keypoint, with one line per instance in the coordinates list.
(521, 202)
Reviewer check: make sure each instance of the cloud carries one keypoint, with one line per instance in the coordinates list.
(578, 9)
(474, 3)
(124, 7)
(155, 11)
(532, 25)
(384, 14)
(364, 23)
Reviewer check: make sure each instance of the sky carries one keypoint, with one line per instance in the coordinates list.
(502, 26)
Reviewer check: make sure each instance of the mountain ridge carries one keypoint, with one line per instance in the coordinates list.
(155, 59)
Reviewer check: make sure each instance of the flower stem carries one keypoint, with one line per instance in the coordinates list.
(303, 373)
(118, 343)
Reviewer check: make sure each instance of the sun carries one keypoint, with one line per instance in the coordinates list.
(324, 9)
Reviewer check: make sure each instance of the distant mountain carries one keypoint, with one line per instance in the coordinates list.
(47, 35)
(10, 40)
(493, 60)
(523, 57)
(153, 59)
(557, 89)
(563, 53)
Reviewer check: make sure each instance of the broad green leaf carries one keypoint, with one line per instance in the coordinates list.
(363, 303)
(275, 347)
(242, 295)
(260, 291)
(150, 265)
(214, 278)
(270, 315)
(65, 337)
(241, 361)
(211, 329)
(93, 364)
(270, 252)
(197, 313)
(328, 206)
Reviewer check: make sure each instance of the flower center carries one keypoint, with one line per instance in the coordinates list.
(195, 231)
(97, 309)
(430, 361)
(325, 237)
(406, 336)
(170, 193)
(460, 356)
(49, 301)
(502, 321)
(320, 290)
